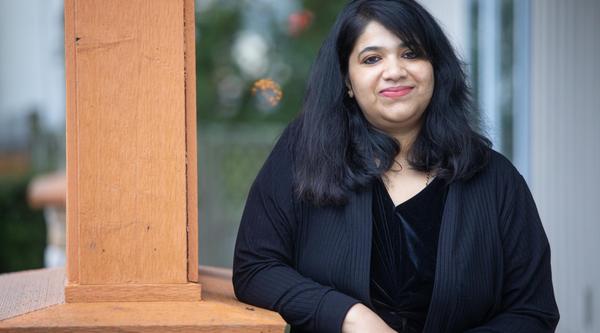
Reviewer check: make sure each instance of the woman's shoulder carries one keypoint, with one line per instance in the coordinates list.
(501, 163)
(499, 183)
(277, 171)
(499, 170)
(282, 154)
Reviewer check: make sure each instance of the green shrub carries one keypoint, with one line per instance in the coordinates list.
(22, 229)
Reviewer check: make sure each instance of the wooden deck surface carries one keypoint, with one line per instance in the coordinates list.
(219, 311)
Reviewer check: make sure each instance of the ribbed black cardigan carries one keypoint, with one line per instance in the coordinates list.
(312, 264)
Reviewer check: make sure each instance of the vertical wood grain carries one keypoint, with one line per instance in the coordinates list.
(72, 246)
(192, 165)
(131, 142)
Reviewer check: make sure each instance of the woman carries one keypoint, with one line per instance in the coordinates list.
(381, 208)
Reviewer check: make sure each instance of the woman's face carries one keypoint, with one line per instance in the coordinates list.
(390, 83)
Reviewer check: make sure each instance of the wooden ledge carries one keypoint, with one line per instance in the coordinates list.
(182, 292)
(210, 315)
(219, 311)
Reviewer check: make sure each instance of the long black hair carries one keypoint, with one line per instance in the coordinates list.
(336, 150)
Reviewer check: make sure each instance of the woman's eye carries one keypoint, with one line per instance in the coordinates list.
(410, 55)
(371, 60)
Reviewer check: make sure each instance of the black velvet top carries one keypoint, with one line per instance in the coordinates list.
(403, 256)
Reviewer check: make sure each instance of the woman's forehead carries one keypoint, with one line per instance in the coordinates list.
(376, 35)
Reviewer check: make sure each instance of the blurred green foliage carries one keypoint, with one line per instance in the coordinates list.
(234, 138)
(22, 230)
(216, 30)
(241, 163)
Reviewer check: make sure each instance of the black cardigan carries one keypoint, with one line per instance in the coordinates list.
(312, 264)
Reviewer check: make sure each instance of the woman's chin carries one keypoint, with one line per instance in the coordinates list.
(401, 118)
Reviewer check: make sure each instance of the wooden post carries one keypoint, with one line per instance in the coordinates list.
(131, 151)
(131, 186)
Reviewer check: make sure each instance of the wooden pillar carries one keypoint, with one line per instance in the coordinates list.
(131, 186)
(131, 151)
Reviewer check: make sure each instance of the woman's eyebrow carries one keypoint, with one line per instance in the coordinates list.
(377, 48)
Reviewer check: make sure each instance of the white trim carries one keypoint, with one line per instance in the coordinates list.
(489, 68)
(522, 86)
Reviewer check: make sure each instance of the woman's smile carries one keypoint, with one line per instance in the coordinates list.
(396, 92)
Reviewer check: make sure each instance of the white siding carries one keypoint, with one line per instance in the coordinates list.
(453, 17)
(565, 150)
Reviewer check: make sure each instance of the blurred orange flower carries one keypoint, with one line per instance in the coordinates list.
(269, 90)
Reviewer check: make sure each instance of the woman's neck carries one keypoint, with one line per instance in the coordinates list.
(406, 140)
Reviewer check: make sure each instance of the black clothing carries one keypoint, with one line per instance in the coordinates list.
(403, 254)
(311, 264)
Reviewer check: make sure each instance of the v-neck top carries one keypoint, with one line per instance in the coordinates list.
(403, 256)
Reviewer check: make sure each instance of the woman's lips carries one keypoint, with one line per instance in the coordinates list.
(395, 92)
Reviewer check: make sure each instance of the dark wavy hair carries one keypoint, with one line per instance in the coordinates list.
(336, 148)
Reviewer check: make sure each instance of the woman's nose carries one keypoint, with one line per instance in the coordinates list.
(394, 70)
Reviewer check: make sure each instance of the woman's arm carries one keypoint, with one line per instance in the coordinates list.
(528, 303)
(262, 268)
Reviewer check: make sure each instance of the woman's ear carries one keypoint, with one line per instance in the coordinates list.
(349, 86)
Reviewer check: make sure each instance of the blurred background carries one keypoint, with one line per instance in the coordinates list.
(532, 65)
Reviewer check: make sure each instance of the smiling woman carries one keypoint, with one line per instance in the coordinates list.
(392, 83)
(381, 208)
